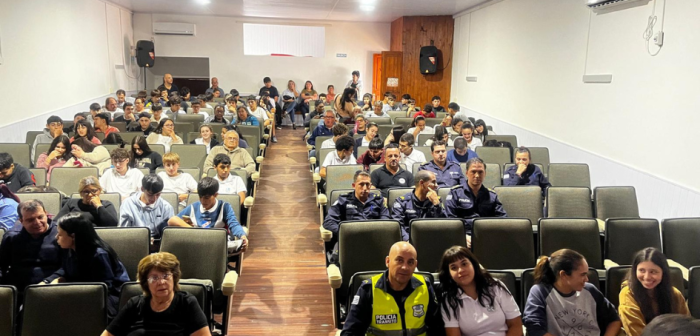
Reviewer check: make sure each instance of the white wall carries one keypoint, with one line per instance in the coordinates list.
(221, 39)
(62, 53)
(529, 57)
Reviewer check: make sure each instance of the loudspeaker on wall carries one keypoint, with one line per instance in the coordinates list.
(428, 59)
(145, 54)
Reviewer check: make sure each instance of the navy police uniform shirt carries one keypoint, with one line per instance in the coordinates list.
(531, 176)
(462, 203)
(409, 207)
(348, 207)
(451, 175)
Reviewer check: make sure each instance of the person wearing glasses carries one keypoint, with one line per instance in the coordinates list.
(54, 129)
(324, 128)
(121, 179)
(240, 158)
(99, 212)
(164, 135)
(162, 309)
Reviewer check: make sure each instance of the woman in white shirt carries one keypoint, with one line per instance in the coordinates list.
(473, 303)
(468, 134)
(418, 127)
(206, 137)
(441, 133)
(165, 135)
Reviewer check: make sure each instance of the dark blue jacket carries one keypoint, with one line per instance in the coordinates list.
(25, 260)
(454, 157)
(348, 207)
(531, 176)
(461, 203)
(408, 207)
(320, 130)
(448, 177)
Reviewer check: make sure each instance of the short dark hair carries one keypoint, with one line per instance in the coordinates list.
(234, 92)
(175, 101)
(360, 173)
(105, 116)
(437, 143)
(460, 143)
(127, 104)
(330, 86)
(208, 186)
(6, 161)
(31, 205)
(376, 143)
(475, 160)
(152, 183)
(345, 142)
(672, 325)
(406, 96)
(356, 73)
(267, 80)
(195, 102)
(53, 119)
(408, 138)
(453, 106)
(322, 95)
(209, 96)
(523, 149)
(95, 107)
(120, 91)
(436, 98)
(339, 129)
(144, 115)
(184, 91)
(391, 145)
(221, 159)
(156, 108)
(81, 114)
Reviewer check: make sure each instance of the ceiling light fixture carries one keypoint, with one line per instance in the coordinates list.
(203, 2)
(367, 8)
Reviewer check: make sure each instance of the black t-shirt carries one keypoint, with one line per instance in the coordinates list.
(273, 91)
(182, 318)
(151, 161)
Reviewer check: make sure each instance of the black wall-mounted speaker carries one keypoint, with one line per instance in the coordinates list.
(145, 54)
(428, 59)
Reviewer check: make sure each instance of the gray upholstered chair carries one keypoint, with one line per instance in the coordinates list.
(51, 200)
(539, 155)
(578, 234)
(39, 176)
(504, 243)
(694, 291)
(569, 175)
(569, 202)
(509, 280)
(615, 202)
(678, 235)
(395, 193)
(172, 199)
(620, 247)
(340, 177)
(131, 245)
(521, 201)
(508, 138)
(66, 179)
(191, 156)
(8, 308)
(20, 151)
(499, 155)
(431, 237)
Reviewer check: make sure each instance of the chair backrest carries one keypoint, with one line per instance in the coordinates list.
(422, 138)
(40, 148)
(443, 192)
(191, 136)
(362, 246)
(510, 281)
(191, 156)
(74, 309)
(321, 154)
(2, 233)
(578, 234)
(503, 243)
(198, 290)
(405, 121)
(195, 172)
(129, 136)
(678, 234)
(396, 114)
(381, 121)
(340, 177)
(694, 291)
(395, 193)
(569, 202)
(313, 123)
(131, 245)
(432, 122)
(194, 119)
(358, 278)
(361, 150)
(508, 138)
(334, 194)
(39, 176)
(431, 237)
(51, 200)
(493, 175)
(569, 175)
(120, 125)
(426, 152)
(247, 131)
(66, 179)
(184, 127)
(158, 148)
(8, 308)
(20, 152)
(624, 237)
(521, 201)
(171, 198)
(232, 199)
(321, 138)
(384, 130)
(31, 136)
(612, 202)
(499, 155)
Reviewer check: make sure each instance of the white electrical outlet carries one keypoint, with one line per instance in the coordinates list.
(659, 38)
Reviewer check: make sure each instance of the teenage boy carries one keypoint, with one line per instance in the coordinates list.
(143, 124)
(436, 104)
(176, 181)
(121, 179)
(212, 213)
(14, 175)
(228, 183)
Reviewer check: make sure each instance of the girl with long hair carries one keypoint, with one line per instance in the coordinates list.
(83, 129)
(86, 154)
(441, 134)
(344, 105)
(648, 292)
(480, 130)
(562, 302)
(468, 134)
(207, 137)
(472, 301)
(306, 95)
(367, 104)
(57, 155)
(164, 135)
(143, 157)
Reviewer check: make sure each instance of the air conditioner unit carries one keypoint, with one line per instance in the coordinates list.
(601, 5)
(173, 28)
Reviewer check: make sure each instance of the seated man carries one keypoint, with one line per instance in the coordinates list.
(54, 129)
(128, 115)
(175, 181)
(30, 254)
(111, 107)
(209, 212)
(447, 173)
(14, 175)
(217, 117)
(375, 153)
(356, 205)
(376, 304)
(196, 109)
(472, 200)
(147, 209)
(102, 121)
(143, 124)
(409, 156)
(422, 202)
(391, 174)
(228, 183)
(121, 179)
(341, 156)
(323, 128)
(240, 158)
(175, 107)
(524, 172)
(317, 113)
(122, 99)
(461, 153)
(339, 130)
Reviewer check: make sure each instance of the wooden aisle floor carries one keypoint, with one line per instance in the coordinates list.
(283, 289)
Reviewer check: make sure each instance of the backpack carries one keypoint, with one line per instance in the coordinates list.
(496, 143)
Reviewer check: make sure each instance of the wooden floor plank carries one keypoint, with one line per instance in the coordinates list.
(283, 289)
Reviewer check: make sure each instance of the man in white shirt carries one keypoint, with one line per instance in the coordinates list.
(339, 130)
(410, 155)
(111, 107)
(228, 183)
(121, 179)
(174, 181)
(355, 83)
(378, 111)
(342, 155)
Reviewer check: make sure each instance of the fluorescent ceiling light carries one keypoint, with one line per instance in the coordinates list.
(367, 8)
(203, 2)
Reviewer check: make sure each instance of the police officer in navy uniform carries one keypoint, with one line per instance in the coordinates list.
(357, 205)
(447, 173)
(473, 200)
(525, 173)
(396, 302)
(422, 202)
(391, 174)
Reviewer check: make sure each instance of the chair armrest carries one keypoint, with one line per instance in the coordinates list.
(269, 126)
(607, 263)
(255, 176)
(259, 159)
(248, 202)
(325, 234)
(317, 178)
(309, 147)
(601, 225)
(306, 129)
(228, 287)
(321, 199)
(312, 160)
(684, 270)
(246, 230)
(335, 279)
(266, 136)
(262, 146)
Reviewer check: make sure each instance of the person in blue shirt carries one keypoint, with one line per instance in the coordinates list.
(210, 212)
(324, 128)
(421, 202)
(447, 173)
(461, 153)
(524, 172)
(88, 258)
(8, 208)
(244, 118)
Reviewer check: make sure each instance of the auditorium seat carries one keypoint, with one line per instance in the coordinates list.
(432, 122)
(396, 114)
(694, 291)
(384, 129)
(334, 195)
(569, 202)
(405, 121)
(497, 155)
(340, 176)
(31, 135)
(361, 150)
(426, 152)
(193, 119)
(191, 156)
(431, 237)
(40, 148)
(158, 148)
(120, 125)
(541, 167)
(493, 175)
(538, 155)
(569, 175)
(172, 199)
(115, 198)
(39, 176)
(579, 234)
(184, 127)
(393, 194)
(616, 275)
(51, 200)
(8, 307)
(678, 235)
(381, 121)
(130, 243)
(521, 202)
(129, 136)
(20, 152)
(313, 123)
(615, 202)
(508, 279)
(504, 243)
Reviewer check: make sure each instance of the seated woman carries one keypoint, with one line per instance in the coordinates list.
(456, 126)
(207, 137)
(98, 212)
(481, 131)
(472, 301)
(56, 156)
(562, 300)
(648, 293)
(344, 106)
(162, 309)
(88, 259)
(367, 103)
(86, 154)
(468, 134)
(83, 128)
(143, 156)
(164, 135)
(441, 133)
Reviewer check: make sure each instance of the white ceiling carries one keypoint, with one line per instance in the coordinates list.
(330, 10)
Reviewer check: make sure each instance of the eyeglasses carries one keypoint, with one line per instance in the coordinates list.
(169, 126)
(156, 278)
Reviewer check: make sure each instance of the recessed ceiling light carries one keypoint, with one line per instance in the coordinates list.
(203, 2)
(367, 8)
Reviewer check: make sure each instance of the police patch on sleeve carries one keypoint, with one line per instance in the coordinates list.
(402, 180)
(449, 197)
(397, 205)
(356, 300)
(387, 319)
(335, 203)
(418, 311)
(506, 176)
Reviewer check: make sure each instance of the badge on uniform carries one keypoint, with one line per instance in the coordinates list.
(506, 176)
(418, 311)
(356, 300)
(449, 197)
(402, 180)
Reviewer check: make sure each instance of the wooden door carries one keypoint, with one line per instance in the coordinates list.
(376, 75)
(391, 73)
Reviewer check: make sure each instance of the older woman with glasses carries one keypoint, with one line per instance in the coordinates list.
(98, 212)
(162, 309)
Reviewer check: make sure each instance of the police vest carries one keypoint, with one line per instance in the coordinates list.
(386, 318)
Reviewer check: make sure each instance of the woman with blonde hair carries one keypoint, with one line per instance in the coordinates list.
(99, 212)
